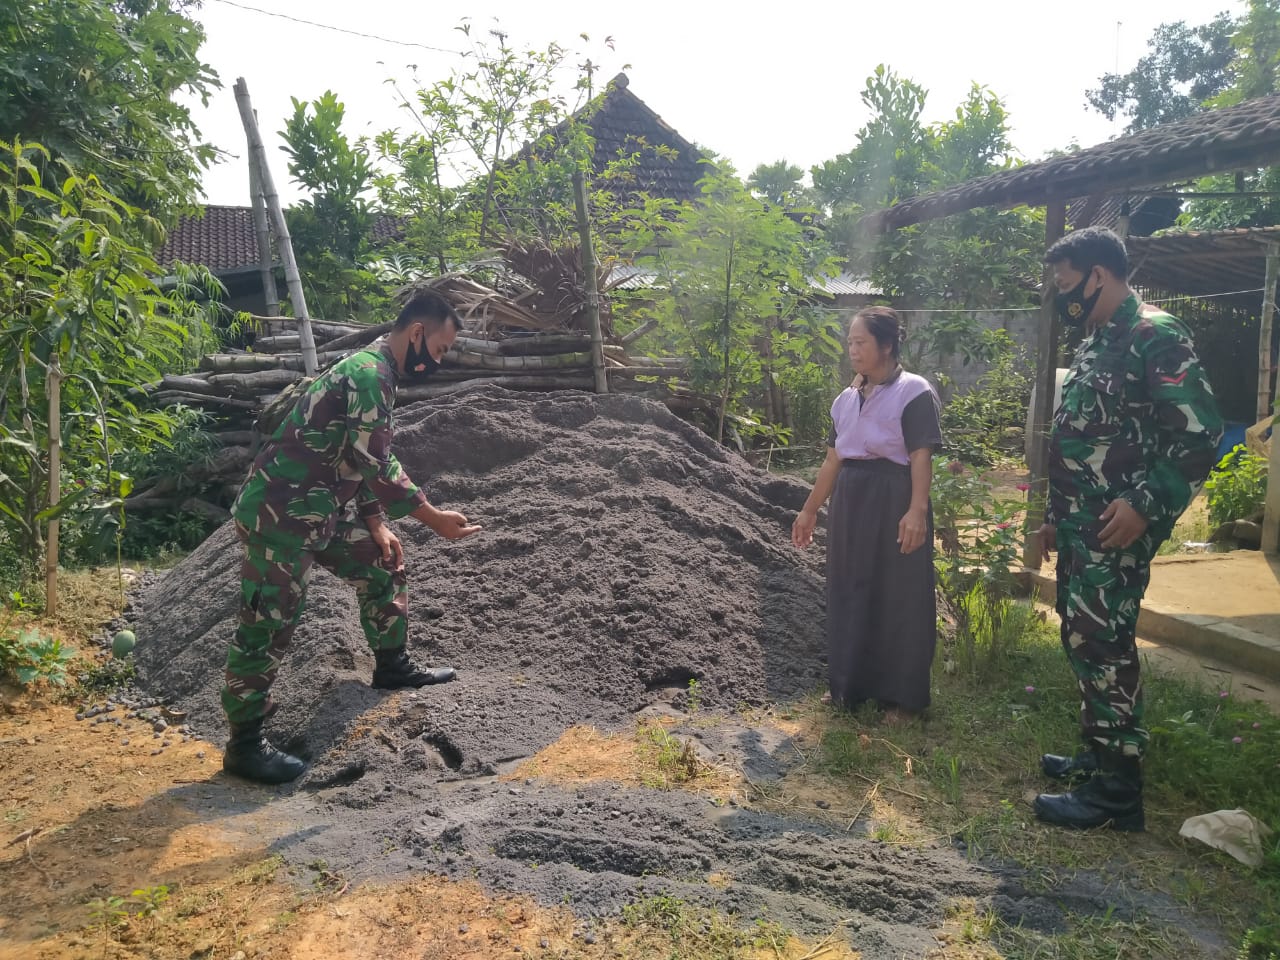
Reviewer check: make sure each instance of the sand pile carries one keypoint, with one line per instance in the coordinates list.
(624, 554)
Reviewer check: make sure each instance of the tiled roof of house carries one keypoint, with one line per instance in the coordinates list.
(221, 239)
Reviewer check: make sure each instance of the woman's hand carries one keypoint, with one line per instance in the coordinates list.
(912, 529)
(802, 529)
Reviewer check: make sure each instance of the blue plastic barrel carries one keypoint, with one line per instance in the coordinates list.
(1232, 436)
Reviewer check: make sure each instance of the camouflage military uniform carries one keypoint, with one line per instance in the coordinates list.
(316, 480)
(1137, 422)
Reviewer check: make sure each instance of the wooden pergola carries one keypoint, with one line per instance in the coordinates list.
(1243, 137)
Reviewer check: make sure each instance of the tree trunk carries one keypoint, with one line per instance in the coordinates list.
(54, 381)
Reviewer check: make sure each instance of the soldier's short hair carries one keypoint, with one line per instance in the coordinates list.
(1089, 248)
(427, 305)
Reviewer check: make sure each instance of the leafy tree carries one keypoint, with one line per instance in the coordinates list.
(94, 81)
(331, 229)
(980, 258)
(77, 300)
(1256, 47)
(1185, 67)
(779, 184)
(735, 277)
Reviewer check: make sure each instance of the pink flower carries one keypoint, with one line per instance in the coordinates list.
(1024, 487)
(1004, 526)
(1223, 694)
(1029, 688)
(1257, 726)
(1237, 739)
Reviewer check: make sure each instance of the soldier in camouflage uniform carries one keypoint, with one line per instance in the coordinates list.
(320, 491)
(1133, 438)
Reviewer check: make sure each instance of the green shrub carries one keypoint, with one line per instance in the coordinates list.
(1237, 486)
(983, 424)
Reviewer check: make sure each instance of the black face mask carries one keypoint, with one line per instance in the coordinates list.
(1073, 306)
(415, 357)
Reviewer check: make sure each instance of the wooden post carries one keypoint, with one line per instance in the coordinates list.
(1265, 327)
(263, 232)
(55, 482)
(258, 156)
(1055, 225)
(593, 291)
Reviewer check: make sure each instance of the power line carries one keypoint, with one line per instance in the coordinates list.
(352, 33)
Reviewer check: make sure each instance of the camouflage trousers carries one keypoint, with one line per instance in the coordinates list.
(273, 587)
(1099, 594)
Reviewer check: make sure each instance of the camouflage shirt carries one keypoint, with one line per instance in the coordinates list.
(333, 447)
(1137, 421)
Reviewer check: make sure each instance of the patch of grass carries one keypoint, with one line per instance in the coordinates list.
(966, 773)
(671, 761)
(686, 932)
(1188, 530)
(1094, 938)
(102, 675)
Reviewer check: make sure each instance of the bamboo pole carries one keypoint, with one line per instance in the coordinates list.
(360, 336)
(1055, 225)
(1267, 324)
(321, 330)
(258, 155)
(593, 291)
(1271, 505)
(55, 482)
(639, 332)
(263, 232)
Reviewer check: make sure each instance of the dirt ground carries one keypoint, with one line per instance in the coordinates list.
(631, 630)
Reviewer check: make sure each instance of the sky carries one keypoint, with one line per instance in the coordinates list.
(754, 84)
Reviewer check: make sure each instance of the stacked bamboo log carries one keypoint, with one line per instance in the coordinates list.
(505, 343)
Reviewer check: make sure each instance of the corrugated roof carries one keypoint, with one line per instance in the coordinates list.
(1202, 263)
(848, 284)
(1234, 138)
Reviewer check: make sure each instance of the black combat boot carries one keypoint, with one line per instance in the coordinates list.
(250, 756)
(1080, 767)
(1112, 798)
(393, 670)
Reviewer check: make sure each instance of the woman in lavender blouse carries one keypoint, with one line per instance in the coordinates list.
(881, 616)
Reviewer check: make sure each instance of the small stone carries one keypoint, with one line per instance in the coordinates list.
(160, 726)
(514, 791)
(823, 804)
(156, 753)
(199, 754)
(238, 955)
(463, 928)
(589, 938)
(544, 943)
(124, 742)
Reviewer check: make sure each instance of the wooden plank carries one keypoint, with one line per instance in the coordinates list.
(1265, 327)
(1055, 223)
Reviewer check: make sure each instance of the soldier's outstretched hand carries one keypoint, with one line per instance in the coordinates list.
(452, 525)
